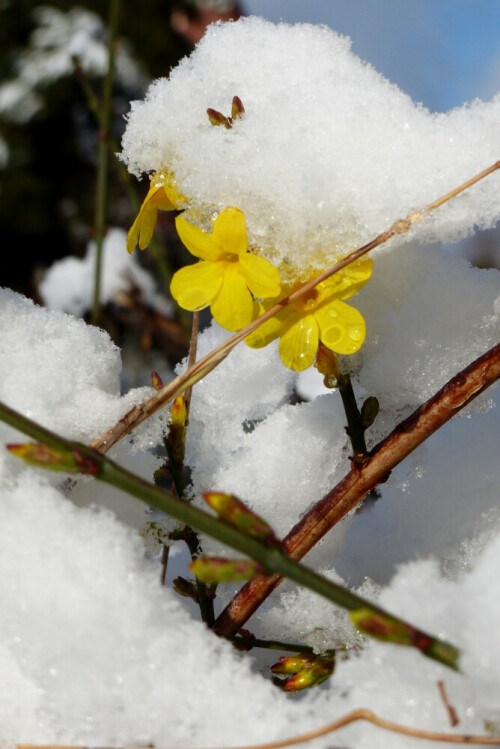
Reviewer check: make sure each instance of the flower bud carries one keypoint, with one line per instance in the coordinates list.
(236, 513)
(381, 626)
(178, 412)
(308, 669)
(237, 108)
(43, 456)
(156, 381)
(221, 570)
(185, 588)
(217, 118)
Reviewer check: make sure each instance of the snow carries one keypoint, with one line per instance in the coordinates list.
(328, 153)
(69, 283)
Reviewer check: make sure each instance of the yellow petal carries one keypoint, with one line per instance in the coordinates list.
(261, 277)
(267, 332)
(166, 180)
(195, 286)
(341, 327)
(230, 231)
(233, 307)
(147, 226)
(299, 344)
(349, 280)
(143, 227)
(199, 243)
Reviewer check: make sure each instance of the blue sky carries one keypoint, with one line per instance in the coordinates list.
(440, 52)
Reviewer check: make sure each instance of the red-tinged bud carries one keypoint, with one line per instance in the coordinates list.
(221, 570)
(382, 626)
(185, 588)
(178, 412)
(237, 108)
(309, 670)
(293, 664)
(156, 381)
(43, 456)
(327, 364)
(217, 118)
(311, 677)
(236, 513)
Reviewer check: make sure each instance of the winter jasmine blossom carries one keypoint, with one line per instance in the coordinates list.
(164, 195)
(321, 315)
(227, 275)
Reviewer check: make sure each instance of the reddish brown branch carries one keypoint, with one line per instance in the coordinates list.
(408, 435)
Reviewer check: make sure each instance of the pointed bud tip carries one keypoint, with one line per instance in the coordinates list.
(237, 108)
(156, 381)
(217, 118)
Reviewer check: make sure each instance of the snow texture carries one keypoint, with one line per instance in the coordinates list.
(69, 283)
(328, 153)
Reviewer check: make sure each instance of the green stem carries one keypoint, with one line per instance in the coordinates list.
(273, 559)
(102, 168)
(355, 429)
(156, 249)
(254, 642)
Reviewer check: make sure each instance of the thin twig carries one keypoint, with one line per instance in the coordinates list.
(352, 717)
(102, 167)
(193, 345)
(452, 713)
(326, 513)
(143, 411)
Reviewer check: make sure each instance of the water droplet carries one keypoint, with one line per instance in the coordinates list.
(355, 334)
(333, 313)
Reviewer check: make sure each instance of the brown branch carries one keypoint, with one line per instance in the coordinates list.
(345, 720)
(408, 435)
(143, 411)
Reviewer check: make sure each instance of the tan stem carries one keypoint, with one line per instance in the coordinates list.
(360, 480)
(143, 411)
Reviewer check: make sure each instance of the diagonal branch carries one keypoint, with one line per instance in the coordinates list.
(407, 436)
(138, 414)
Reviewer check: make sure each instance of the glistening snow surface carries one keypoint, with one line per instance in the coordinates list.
(328, 152)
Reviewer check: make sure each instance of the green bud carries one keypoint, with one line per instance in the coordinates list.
(185, 588)
(369, 411)
(221, 570)
(237, 108)
(236, 513)
(156, 381)
(43, 456)
(217, 118)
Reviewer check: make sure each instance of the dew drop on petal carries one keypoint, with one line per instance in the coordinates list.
(333, 313)
(355, 334)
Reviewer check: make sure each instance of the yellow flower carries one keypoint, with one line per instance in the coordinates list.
(320, 316)
(163, 195)
(227, 275)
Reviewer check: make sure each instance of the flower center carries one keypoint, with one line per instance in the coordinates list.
(310, 299)
(230, 257)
